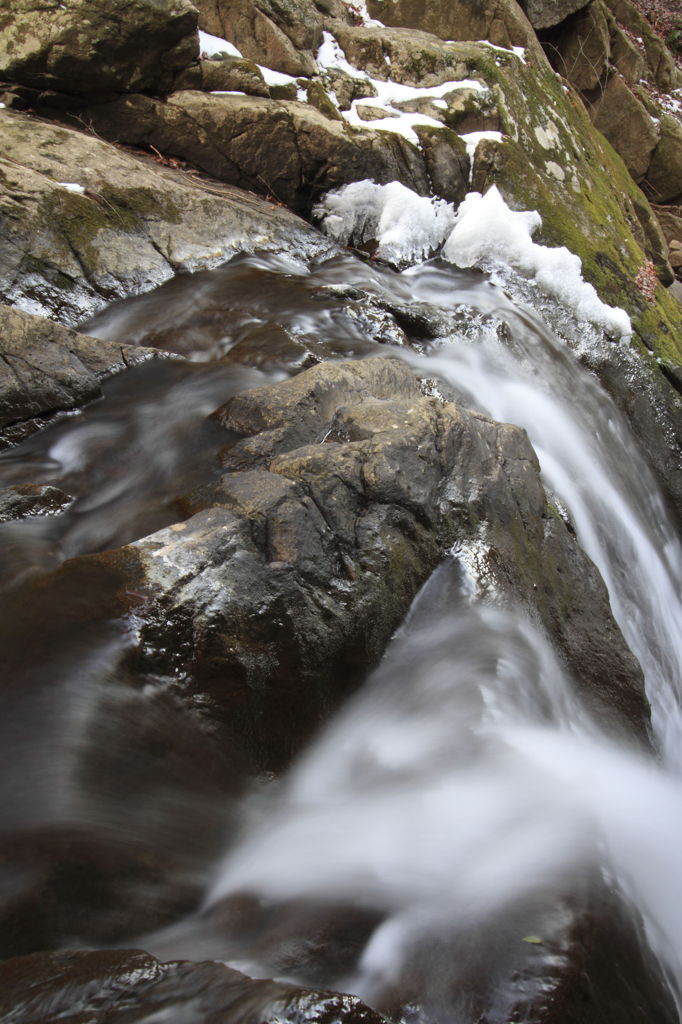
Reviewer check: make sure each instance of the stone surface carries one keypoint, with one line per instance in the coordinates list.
(664, 174)
(291, 151)
(127, 986)
(546, 13)
(130, 224)
(661, 68)
(502, 22)
(625, 122)
(281, 34)
(90, 47)
(580, 50)
(231, 74)
(46, 368)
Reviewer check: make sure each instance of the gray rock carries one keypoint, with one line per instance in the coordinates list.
(289, 151)
(627, 125)
(82, 222)
(127, 986)
(46, 368)
(546, 13)
(93, 48)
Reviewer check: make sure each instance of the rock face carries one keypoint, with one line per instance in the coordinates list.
(125, 986)
(82, 223)
(501, 21)
(291, 151)
(545, 13)
(281, 35)
(46, 368)
(88, 47)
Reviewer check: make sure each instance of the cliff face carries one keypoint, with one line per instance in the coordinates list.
(259, 587)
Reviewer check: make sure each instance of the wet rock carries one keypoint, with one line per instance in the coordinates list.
(128, 986)
(447, 162)
(26, 500)
(280, 34)
(289, 151)
(89, 48)
(46, 369)
(82, 222)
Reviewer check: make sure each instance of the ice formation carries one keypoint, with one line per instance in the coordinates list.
(483, 233)
(408, 227)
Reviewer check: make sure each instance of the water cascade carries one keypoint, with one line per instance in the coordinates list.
(463, 802)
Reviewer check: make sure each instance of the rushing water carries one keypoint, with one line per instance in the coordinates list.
(465, 785)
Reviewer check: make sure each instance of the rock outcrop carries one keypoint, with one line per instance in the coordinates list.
(83, 223)
(89, 48)
(47, 369)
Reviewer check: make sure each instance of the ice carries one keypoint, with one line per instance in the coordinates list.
(407, 227)
(487, 233)
(210, 45)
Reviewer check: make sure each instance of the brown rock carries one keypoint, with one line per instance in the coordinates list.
(280, 35)
(229, 74)
(90, 48)
(628, 126)
(290, 151)
(546, 13)
(502, 22)
(580, 50)
(661, 68)
(664, 175)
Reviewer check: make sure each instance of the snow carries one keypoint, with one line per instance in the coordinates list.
(517, 50)
(71, 186)
(210, 45)
(388, 93)
(275, 77)
(487, 233)
(472, 140)
(483, 233)
(2, 106)
(407, 227)
(359, 9)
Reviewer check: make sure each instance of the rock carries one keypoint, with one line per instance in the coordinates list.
(229, 74)
(289, 151)
(625, 55)
(346, 88)
(130, 986)
(676, 255)
(280, 34)
(664, 175)
(670, 220)
(319, 98)
(447, 162)
(47, 368)
(661, 68)
(25, 500)
(119, 225)
(89, 48)
(627, 125)
(502, 22)
(546, 13)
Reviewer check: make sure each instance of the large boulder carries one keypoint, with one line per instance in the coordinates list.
(46, 368)
(129, 986)
(580, 50)
(624, 120)
(82, 222)
(290, 151)
(90, 47)
(502, 22)
(664, 174)
(545, 13)
(281, 34)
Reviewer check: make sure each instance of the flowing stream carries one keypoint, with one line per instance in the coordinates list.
(463, 801)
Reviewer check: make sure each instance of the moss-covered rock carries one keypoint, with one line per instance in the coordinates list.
(82, 222)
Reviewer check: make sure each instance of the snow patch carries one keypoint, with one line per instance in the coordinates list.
(275, 77)
(71, 186)
(487, 233)
(407, 227)
(210, 46)
(358, 8)
(330, 55)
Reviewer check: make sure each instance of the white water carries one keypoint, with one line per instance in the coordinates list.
(466, 779)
